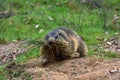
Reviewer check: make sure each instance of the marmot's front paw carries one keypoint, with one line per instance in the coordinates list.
(75, 54)
(44, 61)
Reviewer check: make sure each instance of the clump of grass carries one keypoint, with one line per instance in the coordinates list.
(26, 76)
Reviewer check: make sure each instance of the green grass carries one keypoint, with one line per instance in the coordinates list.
(88, 23)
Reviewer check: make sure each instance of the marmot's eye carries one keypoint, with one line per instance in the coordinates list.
(60, 33)
(56, 37)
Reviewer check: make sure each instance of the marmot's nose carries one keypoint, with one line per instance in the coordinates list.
(50, 42)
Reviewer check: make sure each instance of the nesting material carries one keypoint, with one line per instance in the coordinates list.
(62, 48)
(58, 50)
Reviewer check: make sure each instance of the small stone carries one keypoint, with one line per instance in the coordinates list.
(41, 30)
(50, 18)
(114, 71)
(36, 26)
(109, 43)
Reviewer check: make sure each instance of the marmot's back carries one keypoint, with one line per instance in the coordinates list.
(73, 37)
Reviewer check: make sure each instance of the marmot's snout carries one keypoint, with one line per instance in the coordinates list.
(52, 40)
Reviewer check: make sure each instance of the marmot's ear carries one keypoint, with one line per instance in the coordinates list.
(60, 33)
(82, 37)
(46, 37)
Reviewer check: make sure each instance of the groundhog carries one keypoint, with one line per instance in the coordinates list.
(62, 43)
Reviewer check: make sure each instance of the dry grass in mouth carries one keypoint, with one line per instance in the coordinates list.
(61, 48)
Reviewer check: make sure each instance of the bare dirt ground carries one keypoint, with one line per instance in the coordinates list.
(89, 68)
(9, 51)
(112, 44)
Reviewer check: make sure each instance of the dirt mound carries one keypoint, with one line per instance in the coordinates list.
(75, 69)
(113, 44)
(8, 52)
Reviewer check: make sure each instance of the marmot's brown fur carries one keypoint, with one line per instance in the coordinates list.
(62, 43)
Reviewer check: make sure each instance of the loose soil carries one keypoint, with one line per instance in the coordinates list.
(88, 68)
(9, 51)
(112, 44)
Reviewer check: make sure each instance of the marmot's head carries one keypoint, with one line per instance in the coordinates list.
(55, 35)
